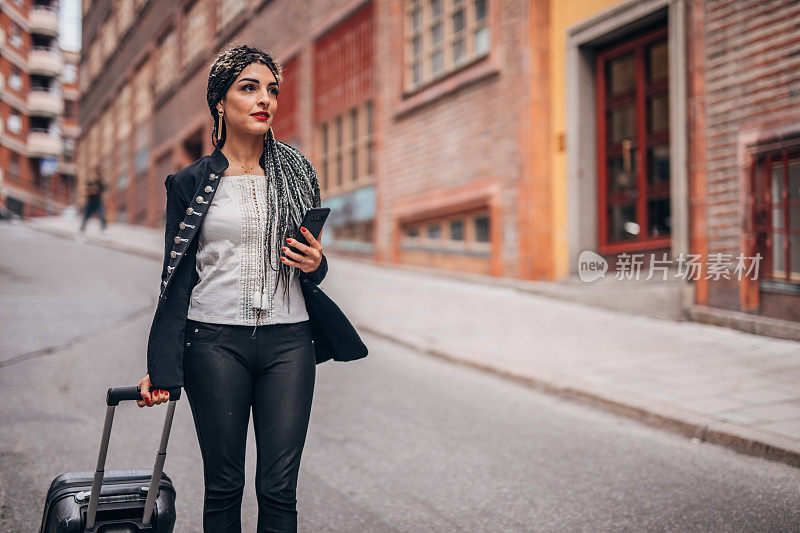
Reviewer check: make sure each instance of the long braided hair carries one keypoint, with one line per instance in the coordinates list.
(295, 179)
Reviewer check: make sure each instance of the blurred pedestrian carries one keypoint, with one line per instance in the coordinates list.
(94, 203)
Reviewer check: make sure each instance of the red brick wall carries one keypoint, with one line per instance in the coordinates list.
(481, 132)
(285, 124)
(24, 181)
(464, 133)
(344, 65)
(183, 112)
(751, 63)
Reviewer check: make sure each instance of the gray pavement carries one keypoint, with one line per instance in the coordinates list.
(398, 441)
(711, 383)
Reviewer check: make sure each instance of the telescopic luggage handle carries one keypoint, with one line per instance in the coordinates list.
(121, 394)
(113, 397)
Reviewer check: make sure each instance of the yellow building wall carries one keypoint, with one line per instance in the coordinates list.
(563, 14)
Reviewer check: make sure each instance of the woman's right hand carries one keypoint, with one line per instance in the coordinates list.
(151, 398)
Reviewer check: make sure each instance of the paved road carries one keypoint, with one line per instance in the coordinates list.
(398, 441)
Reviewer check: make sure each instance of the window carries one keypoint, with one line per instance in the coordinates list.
(323, 178)
(345, 147)
(124, 15)
(108, 132)
(69, 149)
(140, 160)
(227, 11)
(83, 76)
(442, 36)
(194, 30)
(15, 79)
(16, 36)
(70, 73)
(369, 142)
(167, 64)
(777, 213)
(142, 93)
(339, 143)
(14, 166)
(353, 144)
(108, 38)
(94, 59)
(14, 122)
(457, 230)
(481, 228)
(633, 140)
(466, 233)
(123, 106)
(344, 59)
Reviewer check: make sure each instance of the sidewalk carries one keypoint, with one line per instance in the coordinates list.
(710, 383)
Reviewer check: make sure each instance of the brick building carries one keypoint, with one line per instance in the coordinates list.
(675, 134)
(500, 137)
(38, 115)
(409, 111)
(745, 148)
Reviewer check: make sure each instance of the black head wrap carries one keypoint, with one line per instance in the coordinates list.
(291, 179)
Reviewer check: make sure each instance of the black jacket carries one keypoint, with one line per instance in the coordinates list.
(189, 193)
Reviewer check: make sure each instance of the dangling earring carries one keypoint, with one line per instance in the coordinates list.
(219, 128)
(266, 144)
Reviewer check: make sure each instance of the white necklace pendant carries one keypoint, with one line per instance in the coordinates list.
(259, 300)
(255, 299)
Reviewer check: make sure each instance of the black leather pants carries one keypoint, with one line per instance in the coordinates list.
(226, 373)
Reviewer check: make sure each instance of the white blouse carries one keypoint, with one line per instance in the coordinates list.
(230, 251)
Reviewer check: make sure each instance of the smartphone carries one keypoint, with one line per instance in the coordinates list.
(313, 220)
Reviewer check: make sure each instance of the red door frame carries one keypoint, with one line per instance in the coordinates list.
(637, 45)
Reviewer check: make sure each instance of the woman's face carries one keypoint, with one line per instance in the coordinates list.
(255, 90)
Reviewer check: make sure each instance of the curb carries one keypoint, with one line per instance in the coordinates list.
(755, 324)
(694, 425)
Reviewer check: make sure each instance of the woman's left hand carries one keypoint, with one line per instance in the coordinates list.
(311, 252)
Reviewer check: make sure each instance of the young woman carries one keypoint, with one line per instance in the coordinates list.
(240, 322)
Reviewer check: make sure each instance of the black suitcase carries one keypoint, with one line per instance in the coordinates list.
(117, 500)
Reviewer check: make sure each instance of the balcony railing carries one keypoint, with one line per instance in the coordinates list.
(45, 60)
(43, 20)
(45, 102)
(42, 143)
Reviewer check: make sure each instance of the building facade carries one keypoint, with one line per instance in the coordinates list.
(498, 137)
(745, 146)
(38, 113)
(675, 128)
(409, 111)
